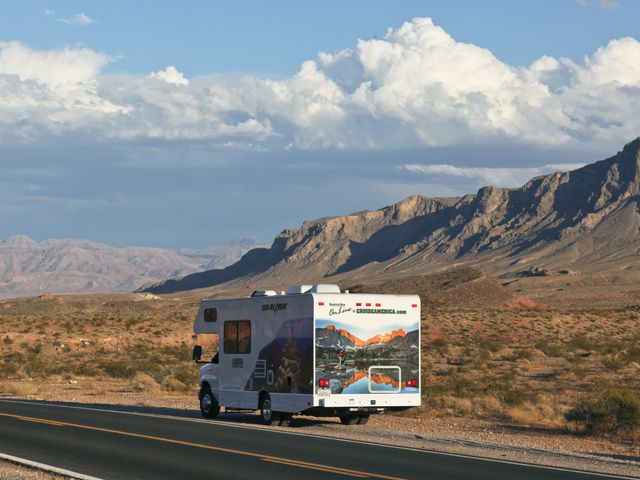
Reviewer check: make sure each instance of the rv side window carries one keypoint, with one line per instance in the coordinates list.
(210, 315)
(237, 336)
(244, 336)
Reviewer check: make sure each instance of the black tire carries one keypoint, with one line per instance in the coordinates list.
(285, 419)
(267, 415)
(349, 419)
(363, 419)
(209, 407)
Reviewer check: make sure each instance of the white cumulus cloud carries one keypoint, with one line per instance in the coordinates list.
(415, 87)
(496, 176)
(170, 75)
(50, 92)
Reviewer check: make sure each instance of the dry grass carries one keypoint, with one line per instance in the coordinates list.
(18, 389)
(528, 366)
(532, 367)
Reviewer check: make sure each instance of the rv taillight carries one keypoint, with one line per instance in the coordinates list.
(378, 304)
(368, 304)
(412, 382)
(323, 383)
(358, 304)
(321, 304)
(414, 305)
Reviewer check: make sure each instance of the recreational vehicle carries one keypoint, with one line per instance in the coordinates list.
(311, 350)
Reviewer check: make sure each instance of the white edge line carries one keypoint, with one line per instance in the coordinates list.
(328, 437)
(46, 468)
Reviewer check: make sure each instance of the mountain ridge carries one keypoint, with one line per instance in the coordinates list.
(359, 342)
(29, 267)
(588, 217)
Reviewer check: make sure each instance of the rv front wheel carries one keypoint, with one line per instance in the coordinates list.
(269, 417)
(208, 404)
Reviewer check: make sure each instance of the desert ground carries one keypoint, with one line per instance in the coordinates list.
(528, 365)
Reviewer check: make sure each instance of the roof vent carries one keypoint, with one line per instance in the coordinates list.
(263, 293)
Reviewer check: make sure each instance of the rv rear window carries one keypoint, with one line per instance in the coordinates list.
(210, 315)
(237, 336)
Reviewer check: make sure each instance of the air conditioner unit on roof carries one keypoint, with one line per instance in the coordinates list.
(325, 288)
(263, 293)
(298, 289)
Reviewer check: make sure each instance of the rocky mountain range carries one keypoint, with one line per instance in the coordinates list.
(358, 342)
(586, 220)
(399, 345)
(28, 267)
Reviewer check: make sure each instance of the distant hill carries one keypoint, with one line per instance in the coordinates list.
(28, 267)
(464, 286)
(586, 220)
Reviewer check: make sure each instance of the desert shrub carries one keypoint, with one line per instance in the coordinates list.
(483, 356)
(7, 340)
(580, 343)
(612, 362)
(83, 369)
(172, 384)
(8, 369)
(439, 345)
(35, 350)
(117, 368)
(549, 349)
(504, 388)
(18, 389)
(186, 374)
(491, 345)
(17, 357)
(610, 411)
(518, 354)
(632, 354)
(37, 367)
(142, 382)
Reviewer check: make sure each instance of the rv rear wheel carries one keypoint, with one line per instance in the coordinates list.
(363, 419)
(349, 419)
(208, 404)
(285, 419)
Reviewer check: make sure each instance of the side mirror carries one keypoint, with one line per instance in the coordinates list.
(197, 353)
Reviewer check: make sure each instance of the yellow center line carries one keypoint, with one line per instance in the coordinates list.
(41, 420)
(323, 469)
(270, 458)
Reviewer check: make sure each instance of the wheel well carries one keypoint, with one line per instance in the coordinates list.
(263, 394)
(205, 385)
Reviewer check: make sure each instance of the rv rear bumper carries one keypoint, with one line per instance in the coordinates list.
(374, 401)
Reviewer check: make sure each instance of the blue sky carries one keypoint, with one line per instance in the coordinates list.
(153, 123)
(274, 38)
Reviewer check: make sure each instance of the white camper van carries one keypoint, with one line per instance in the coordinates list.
(312, 350)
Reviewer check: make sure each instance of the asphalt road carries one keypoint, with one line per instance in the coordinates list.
(116, 445)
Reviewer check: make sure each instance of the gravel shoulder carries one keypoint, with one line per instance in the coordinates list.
(452, 435)
(13, 471)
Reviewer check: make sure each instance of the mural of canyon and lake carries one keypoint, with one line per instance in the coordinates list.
(355, 362)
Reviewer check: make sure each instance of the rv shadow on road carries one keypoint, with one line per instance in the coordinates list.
(231, 417)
